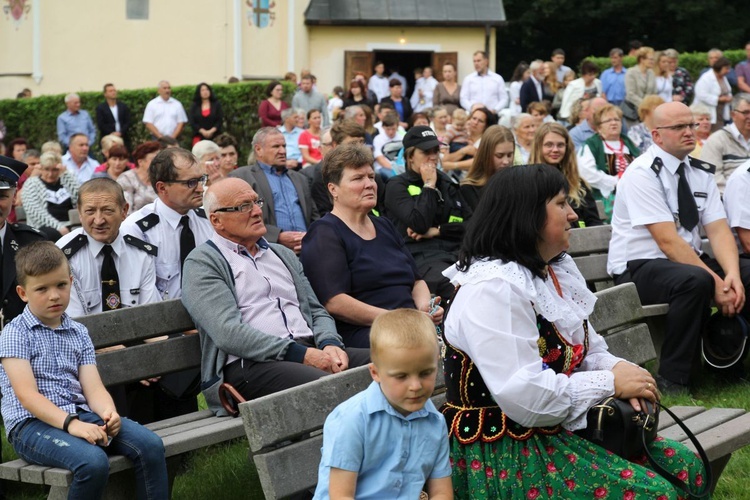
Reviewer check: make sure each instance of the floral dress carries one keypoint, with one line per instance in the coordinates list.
(537, 455)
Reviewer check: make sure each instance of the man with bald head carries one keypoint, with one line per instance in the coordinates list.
(585, 128)
(662, 199)
(262, 328)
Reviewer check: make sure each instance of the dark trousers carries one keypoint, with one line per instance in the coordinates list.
(255, 379)
(689, 291)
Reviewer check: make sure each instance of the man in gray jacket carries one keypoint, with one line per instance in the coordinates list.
(729, 147)
(262, 329)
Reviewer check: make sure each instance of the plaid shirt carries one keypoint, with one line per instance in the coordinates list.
(55, 356)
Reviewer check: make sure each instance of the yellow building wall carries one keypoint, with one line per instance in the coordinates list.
(327, 45)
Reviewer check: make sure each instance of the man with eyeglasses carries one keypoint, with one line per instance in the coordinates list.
(174, 222)
(662, 200)
(262, 328)
(289, 208)
(729, 147)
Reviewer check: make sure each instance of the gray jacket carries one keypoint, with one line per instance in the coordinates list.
(724, 152)
(211, 299)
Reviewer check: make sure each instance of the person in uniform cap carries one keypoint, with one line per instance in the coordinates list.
(13, 236)
(662, 199)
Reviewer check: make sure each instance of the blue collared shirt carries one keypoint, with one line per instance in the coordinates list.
(286, 205)
(292, 142)
(69, 124)
(613, 85)
(54, 355)
(580, 133)
(393, 455)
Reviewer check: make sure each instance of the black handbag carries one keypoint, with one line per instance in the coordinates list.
(629, 111)
(614, 425)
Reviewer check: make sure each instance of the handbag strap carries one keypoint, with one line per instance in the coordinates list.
(670, 477)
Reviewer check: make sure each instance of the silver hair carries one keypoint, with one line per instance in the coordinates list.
(519, 119)
(210, 201)
(616, 52)
(203, 148)
(287, 113)
(260, 136)
(739, 98)
(536, 64)
(700, 109)
(70, 97)
(351, 111)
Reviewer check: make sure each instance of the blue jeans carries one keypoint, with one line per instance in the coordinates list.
(40, 443)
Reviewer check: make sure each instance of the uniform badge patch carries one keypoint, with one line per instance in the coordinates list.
(113, 301)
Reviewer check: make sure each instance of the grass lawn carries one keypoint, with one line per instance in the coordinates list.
(223, 471)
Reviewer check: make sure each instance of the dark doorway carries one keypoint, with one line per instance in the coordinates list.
(405, 62)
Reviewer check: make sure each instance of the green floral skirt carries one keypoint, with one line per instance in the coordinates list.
(565, 465)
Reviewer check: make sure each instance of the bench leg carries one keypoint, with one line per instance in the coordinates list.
(717, 467)
(121, 485)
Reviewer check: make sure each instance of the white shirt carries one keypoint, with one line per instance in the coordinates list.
(493, 321)
(664, 87)
(159, 225)
(488, 89)
(644, 198)
(735, 197)
(732, 127)
(379, 85)
(574, 91)
(113, 109)
(135, 269)
(708, 91)
(597, 178)
(427, 86)
(164, 115)
(82, 173)
(381, 140)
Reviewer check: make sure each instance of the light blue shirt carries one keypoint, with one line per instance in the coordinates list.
(580, 133)
(393, 455)
(292, 142)
(69, 124)
(613, 85)
(286, 206)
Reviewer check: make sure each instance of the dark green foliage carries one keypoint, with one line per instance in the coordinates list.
(36, 118)
(694, 62)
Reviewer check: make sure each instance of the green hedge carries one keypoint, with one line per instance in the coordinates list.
(35, 119)
(694, 62)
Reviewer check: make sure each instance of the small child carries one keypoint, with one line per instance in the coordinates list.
(55, 407)
(389, 440)
(457, 132)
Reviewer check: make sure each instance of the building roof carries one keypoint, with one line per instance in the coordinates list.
(405, 13)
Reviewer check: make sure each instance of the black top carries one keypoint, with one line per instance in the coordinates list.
(380, 272)
(472, 195)
(16, 236)
(59, 202)
(587, 212)
(214, 119)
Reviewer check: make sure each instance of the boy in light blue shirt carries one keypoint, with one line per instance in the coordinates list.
(389, 441)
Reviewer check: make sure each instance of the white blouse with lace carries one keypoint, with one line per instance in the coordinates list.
(493, 321)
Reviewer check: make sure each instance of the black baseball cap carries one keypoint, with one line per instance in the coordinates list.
(421, 137)
(10, 171)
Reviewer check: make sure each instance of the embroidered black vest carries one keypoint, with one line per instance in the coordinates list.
(470, 411)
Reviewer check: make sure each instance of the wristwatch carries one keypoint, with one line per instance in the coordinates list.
(68, 420)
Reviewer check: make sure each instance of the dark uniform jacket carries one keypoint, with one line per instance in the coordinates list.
(16, 236)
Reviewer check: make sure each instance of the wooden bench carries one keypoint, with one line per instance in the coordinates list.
(180, 434)
(285, 429)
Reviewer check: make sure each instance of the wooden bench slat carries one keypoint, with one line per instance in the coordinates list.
(140, 361)
(593, 267)
(12, 470)
(182, 419)
(724, 438)
(189, 426)
(201, 437)
(702, 422)
(132, 324)
(682, 412)
(632, 343)
(33, 474)
(615, 307)
(590, 240)
(655, 310)
(274, 468)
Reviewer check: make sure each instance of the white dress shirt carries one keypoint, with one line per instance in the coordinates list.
(488, 89)
(82, 173)
(427, 86)
(735, 197)
(644, 198)
(134, 261)
(159, 225)
(164, 115)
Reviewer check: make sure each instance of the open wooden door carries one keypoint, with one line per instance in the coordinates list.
(357, 61)
(440, 58)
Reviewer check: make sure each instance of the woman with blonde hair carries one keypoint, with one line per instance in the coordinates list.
(640, 80)
(664, 72)
(640, 134)
(702, 116)
(495, 152)
(553, 146)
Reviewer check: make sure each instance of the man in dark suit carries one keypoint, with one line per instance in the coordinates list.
(12, 237)
(112, 116)
(288, 208)
(532, 89)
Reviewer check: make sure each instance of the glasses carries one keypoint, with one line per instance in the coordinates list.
(244, 208)
(191, 183)
(744, 113)
(611, 120)
(680, 127)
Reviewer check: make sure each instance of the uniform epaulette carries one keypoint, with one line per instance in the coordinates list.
(142, 245)
(74, 245)
(17, 226)
(702, 165)
(200, 213)
(657, 165)
(148, 222)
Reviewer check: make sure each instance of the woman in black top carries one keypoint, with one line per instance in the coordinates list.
(205, 115)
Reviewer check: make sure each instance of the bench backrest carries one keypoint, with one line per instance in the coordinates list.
(589, 247)
(284, 429)
(129, 326)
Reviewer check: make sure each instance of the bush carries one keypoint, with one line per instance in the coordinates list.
(694, 62)
(35, 119)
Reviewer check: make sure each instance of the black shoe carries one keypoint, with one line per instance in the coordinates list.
(669, 388)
